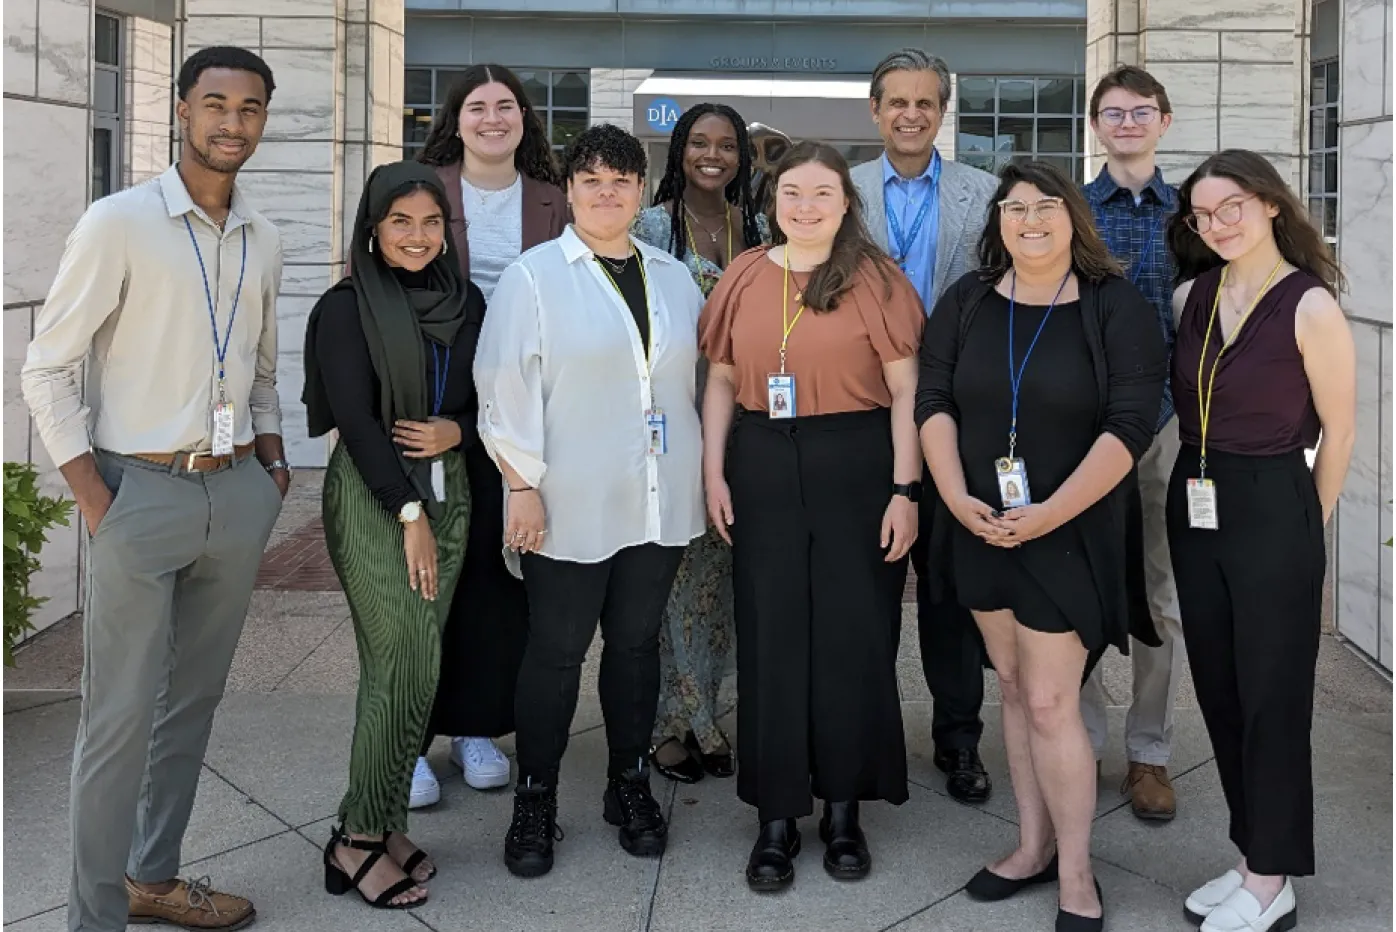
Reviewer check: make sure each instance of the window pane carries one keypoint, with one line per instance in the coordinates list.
(567, 126)
(1015, 96)
(535, 87)
(1332, 82)
(976, 135)
(418, 88)
(1063, 163)
(416, 122)
(976, 95)
(444, 80)
(1330, 173)
(985, 162)
(1316, 174)
(101, 163)
(570, 89)
(853, 153)
(1316, 211)
(1330, 127)
(1316, 129)
(1054, 135)
(1014, 135)
(1330, 218)
(1080, 96)
(107, 40)
(1055, 95)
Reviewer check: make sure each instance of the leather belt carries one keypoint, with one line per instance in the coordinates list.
(197, 462)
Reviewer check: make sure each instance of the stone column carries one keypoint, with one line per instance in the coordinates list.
(1362, 581)
(48, 68)
(335, 114)
(149, 88)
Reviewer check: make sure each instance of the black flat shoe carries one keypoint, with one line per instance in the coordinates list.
(965, 776)
(770, 866)
(846, 854)
(990, 887)
(1071, 922)
(721, 766)
(688, 770)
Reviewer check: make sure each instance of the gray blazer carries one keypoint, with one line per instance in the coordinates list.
(965, 193)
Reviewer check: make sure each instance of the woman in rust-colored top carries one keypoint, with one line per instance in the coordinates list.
(813, 344)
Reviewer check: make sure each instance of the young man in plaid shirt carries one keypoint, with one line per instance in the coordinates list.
(1130, 113)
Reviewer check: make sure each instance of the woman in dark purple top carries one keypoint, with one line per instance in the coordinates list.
(1263, 365)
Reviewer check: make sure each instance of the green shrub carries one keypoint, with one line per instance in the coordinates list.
(28, 515)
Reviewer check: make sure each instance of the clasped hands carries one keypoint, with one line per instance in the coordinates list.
(1007, 529)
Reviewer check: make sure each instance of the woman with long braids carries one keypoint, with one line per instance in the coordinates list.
(491, 152)
(703, 215)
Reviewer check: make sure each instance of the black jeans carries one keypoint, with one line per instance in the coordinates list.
(627, 594)
(952, 649)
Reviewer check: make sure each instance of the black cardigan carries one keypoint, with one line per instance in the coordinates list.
(1130, 363)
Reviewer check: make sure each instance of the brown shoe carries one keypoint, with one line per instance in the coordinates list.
(1151, 792)
(192, 904)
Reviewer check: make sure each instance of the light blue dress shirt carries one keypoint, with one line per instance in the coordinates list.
(903, 198)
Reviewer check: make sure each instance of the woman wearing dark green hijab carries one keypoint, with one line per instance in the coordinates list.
(388, 358)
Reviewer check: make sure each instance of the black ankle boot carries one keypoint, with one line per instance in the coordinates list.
(528, 848)
(846, 856)
(631, 806)
(769, 868)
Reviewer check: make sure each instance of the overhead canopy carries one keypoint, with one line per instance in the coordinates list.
(799, 107)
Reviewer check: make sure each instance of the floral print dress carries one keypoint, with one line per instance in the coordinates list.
(695, 640)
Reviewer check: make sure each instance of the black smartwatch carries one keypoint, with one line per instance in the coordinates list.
(911, 490)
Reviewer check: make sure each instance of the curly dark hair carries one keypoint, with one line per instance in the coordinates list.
(738, 190)
(604, 145)
(533, 157)
(1090, 258)
(1299, 241)
(223, 56)
(854, 248)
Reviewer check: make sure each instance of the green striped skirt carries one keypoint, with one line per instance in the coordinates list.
(398, 634)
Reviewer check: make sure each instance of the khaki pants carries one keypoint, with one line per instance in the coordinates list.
(1157, 670)
(171, 570)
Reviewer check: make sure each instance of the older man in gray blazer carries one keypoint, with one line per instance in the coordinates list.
(928, 214)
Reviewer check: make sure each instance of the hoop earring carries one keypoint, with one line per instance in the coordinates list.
(444, 245)
(370, 242)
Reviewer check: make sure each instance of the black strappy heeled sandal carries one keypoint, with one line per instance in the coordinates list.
(338, 882)
(413, 860)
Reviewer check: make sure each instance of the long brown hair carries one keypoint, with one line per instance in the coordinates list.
(1090, 258)
(533, 157)
(1298, 239)
(852, 245)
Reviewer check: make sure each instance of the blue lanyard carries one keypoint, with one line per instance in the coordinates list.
(904, 245)
(439, 377)
(220, 347)
(1143, 256)
(1015, 380)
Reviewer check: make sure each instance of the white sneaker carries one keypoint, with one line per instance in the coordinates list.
(1241, 912)
(1210, 895)
(484, 764)
(426, 789)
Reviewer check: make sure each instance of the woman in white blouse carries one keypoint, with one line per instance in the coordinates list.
(585, 371)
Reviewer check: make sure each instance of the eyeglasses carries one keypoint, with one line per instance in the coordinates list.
(1115, 116)
(1227, 214)
(1018, 211)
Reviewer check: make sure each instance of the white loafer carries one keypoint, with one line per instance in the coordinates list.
(1210, 895)
(485, 766)
(1241, 912)
(426, 789)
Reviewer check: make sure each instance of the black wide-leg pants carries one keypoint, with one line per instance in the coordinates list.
(818, 612)
(1250, 595)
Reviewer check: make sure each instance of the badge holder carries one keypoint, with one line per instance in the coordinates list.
(1202, 503)
(1013, 482)
(780, 395)
(223, 419)
(657, 427)
(438, 481)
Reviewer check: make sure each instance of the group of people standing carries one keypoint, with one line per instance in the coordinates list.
(705, 423)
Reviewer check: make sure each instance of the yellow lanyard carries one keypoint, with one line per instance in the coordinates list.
(787, 323)
(698, 257)
(1204, 399)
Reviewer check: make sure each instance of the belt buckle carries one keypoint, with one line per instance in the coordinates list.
(189, 464)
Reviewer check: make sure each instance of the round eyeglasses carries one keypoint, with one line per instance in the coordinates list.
(1115, 116)
(1228, 213)
(1018, 211)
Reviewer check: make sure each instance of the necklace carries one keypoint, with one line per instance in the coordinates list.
(726, 223)
(616, 268)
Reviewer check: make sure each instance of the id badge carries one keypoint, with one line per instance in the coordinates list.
(438, 481)
(657, 428)
(1013, 482)
(780, 395)
(1202, 504)
(223, 429)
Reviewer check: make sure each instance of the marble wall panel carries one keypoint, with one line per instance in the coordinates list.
(205, 31)
(1364, 59)
(1278, 47)
(306, 279)
(355, 58)
(57, 578)
(301, 449)
(390, 14)
(304, 105)
(293, 156)
(1365, 219)
(1192, 89)
(385, 70)
(1384, 530)
(1358, 537)
(284, 32)
(196, 9)
(1233, 14)
(301, 207)
(46, 164)
(65, 56)
(1160, 45)
(21, 29)
(19, 329)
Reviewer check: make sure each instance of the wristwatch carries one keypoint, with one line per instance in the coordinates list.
(274, 465)
(410, 512)
(911, 490)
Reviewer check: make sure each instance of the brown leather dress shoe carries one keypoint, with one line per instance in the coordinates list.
(1150, 792)
(192, 904)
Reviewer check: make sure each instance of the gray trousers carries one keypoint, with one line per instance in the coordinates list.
(1157, 670)
(170, 575)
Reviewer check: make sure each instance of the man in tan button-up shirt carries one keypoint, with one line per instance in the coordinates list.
(167, 295)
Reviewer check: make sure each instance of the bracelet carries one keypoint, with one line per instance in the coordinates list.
(527, 488)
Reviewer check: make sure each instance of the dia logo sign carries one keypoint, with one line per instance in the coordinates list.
(662, 114)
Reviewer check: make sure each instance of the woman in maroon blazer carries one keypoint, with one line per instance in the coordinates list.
(492, 153)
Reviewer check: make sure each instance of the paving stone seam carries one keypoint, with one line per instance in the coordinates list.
(647, 920)
(300, 663)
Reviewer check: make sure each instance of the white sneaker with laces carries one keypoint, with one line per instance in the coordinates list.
(1241, 912)
(426, 789)
(485, 766)
(1211, 894)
